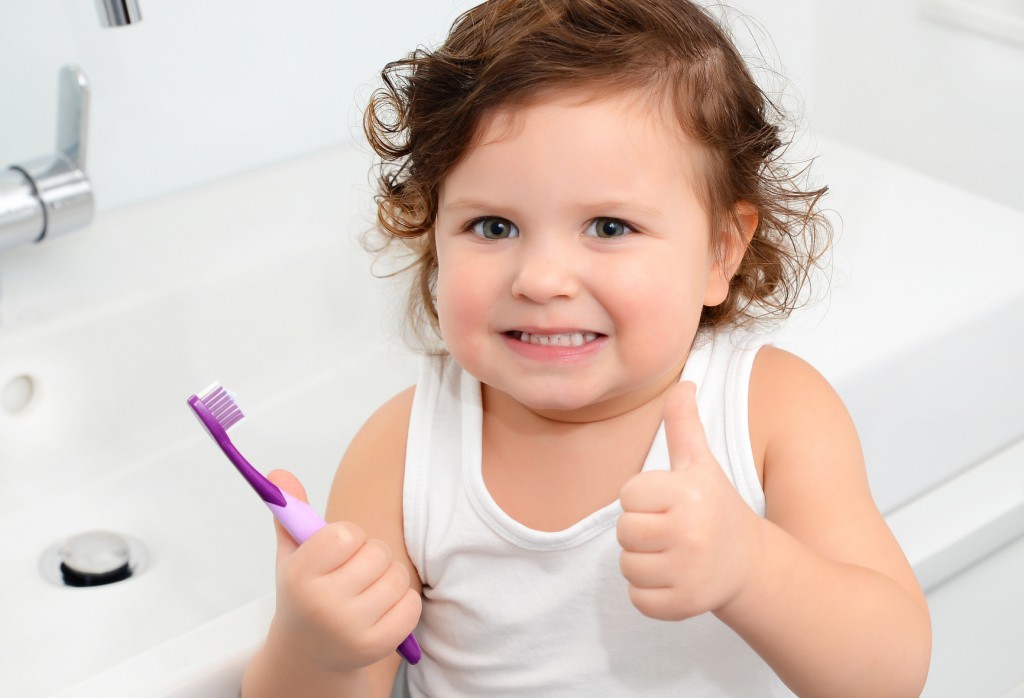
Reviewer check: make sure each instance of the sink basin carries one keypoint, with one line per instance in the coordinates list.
(102, 340)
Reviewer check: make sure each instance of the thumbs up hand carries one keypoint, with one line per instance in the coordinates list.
(688, 539)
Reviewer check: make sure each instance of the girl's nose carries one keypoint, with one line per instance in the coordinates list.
(546, 270)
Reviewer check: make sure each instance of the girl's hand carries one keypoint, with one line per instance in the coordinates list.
(343, 602)
(688, 539)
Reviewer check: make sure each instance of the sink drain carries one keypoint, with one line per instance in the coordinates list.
(94, 558)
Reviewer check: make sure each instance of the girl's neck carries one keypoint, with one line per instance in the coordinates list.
(616, 408)
(548, 473)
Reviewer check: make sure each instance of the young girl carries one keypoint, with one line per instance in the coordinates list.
(602, 484)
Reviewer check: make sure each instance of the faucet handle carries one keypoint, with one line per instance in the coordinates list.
(73, 115)
(60, 182)
(51, 196)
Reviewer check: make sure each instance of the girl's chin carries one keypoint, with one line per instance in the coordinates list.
(564, 406)
(541, 400)
(548, 403)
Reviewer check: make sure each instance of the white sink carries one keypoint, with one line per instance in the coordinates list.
(257, 282)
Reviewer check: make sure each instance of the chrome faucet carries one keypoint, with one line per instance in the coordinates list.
(52, 195)
(118, 13)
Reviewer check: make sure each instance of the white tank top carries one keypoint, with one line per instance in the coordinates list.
(511, 611)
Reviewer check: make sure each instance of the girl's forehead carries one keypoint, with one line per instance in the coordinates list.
(573, 151)
(583, 126)
(636, 106)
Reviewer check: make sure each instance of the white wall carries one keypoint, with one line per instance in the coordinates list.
(201, 88)
(206, 88)
(880, 76)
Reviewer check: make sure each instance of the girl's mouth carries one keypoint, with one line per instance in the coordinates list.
(564, 339)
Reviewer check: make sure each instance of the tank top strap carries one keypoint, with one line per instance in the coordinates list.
(720, 364)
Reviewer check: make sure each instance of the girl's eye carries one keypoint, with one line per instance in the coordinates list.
(494, 228)
(607, 228)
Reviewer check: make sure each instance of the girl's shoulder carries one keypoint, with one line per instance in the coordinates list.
(805, 440)
(794, 413)
(384, 431)
(790, 400)
(368, 485)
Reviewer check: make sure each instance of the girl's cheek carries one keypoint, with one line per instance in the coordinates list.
(455, 307)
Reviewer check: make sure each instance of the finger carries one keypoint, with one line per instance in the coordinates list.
(398, 621)
(645, 570)
(331, 547)
(684, 432)
(656, 602)
(642, 532)
(336, 543)
(365, 567)
(290, 484)
(650, 491)
(380, 597)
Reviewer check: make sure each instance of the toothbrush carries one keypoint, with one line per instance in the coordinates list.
(217, 411)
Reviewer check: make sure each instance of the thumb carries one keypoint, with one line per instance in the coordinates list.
(684, 432)
(290, 484)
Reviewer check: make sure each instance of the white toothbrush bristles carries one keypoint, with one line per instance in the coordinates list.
(222, 406)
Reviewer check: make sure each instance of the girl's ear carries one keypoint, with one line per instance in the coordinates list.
(731, 247)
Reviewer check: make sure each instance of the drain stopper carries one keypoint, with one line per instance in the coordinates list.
(94, 558)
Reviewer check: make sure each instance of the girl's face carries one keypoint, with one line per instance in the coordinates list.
(574, 256)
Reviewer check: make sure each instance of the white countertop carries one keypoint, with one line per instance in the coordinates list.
(923, 329)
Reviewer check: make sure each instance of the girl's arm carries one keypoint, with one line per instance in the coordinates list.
(368, 489)
(834, 606)
(819, 588)
(310, 650)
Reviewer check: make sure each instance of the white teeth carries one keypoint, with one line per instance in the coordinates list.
(569, 339)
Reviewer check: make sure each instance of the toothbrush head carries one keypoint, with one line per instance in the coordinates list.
(216, 410)
(221, 405)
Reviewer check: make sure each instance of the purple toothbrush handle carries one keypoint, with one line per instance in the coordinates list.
(299, 519)
(410, 649)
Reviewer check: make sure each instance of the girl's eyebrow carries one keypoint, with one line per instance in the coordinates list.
(630, 208)
(468, 204)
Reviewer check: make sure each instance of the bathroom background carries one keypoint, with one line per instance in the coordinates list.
(225, 152)
(201, 89)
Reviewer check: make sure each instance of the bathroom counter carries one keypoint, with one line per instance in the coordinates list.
(923, 328)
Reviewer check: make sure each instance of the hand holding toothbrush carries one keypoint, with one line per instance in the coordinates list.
(362, 571)
(341, 597)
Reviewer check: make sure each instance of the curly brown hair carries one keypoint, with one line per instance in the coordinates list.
(509, 52)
